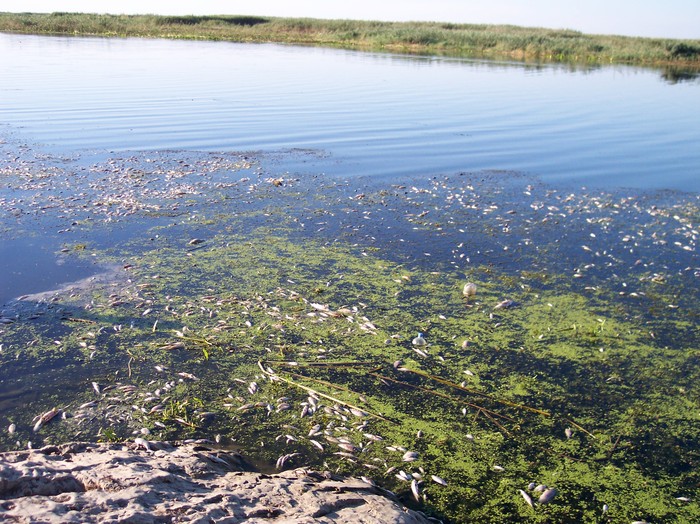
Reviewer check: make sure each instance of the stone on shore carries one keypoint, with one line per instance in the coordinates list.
(85, 482)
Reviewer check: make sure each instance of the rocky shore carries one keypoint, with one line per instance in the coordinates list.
(155, 482)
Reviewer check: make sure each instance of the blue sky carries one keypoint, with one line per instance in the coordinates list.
(657, 18)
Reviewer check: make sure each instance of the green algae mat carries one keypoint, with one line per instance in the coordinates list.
(278, 313)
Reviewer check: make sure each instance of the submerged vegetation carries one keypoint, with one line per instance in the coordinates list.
(459, 40)
(276, 314)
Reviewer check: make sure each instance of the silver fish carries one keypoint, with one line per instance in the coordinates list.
(438, 480)
(415, 490)
(547, 496)
(526, 497)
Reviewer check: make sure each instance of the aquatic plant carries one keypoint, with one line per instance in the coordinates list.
(445, 39)
(574, 368)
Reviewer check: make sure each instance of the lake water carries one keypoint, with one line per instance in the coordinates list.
(262, 223)
(361, 114)
(374, 114)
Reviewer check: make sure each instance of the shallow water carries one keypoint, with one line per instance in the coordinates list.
(31, 266)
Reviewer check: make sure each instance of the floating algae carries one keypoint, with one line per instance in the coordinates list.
(277, 335)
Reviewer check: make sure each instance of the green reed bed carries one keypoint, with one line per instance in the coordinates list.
(460, 40)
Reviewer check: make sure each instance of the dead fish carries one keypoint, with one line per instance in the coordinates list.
(142, 443)
(172, 346)
(284, 458)
(348, 447)
(415, 490)
(421, 352)
(369, 481)
(195, 241)
(317, 444)
(504, 304)
(526, 497)
(402, 475)
(410, 456)
(45, 418)
(11, 430)
(346, 455)
(438, 480)
(96, 387)
(547, 496)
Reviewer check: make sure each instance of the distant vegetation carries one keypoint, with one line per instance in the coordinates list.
(461, 40)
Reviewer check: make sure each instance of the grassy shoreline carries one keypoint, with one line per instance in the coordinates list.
(432, 38)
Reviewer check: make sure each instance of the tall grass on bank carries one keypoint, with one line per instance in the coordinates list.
(460, 40)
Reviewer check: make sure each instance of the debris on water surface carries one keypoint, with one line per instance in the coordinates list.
(419, 340)
(469, 290)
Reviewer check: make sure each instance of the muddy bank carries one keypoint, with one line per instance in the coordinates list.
(161, 482)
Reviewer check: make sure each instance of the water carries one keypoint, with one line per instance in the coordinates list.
(366, 114)
(379, 115)
(29, 266)
(593, 366)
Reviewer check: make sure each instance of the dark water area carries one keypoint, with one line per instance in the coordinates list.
(32, 266)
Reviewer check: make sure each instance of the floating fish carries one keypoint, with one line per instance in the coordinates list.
(420, 352)
(415, 490)
(526, 497)
(410, 456)
(504, 304)
(45, 418)
(547, 496)
(438, 480)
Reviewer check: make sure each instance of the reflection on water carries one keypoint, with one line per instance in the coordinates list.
(675, 75)
(30, 266)
(379, 115)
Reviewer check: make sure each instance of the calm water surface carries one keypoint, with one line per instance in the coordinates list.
(375, 114)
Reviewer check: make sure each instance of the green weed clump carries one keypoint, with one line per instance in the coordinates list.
(459, 40)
